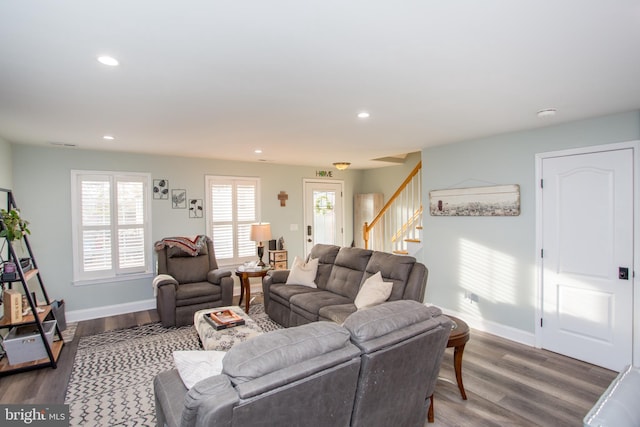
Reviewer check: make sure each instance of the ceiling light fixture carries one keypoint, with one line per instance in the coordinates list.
(108, 60)
(341, 165)
(363, 115)
(108, 137)
(257, 151)
(546, 113)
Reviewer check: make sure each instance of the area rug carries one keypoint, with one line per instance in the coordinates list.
(112, 378)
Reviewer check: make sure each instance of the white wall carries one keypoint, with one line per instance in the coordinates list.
(494, 257)
(42, 188)
(6, 168)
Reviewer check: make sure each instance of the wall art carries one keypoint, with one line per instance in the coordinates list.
(497, 200)
(195, 208)
(179, 199)
(161, 189)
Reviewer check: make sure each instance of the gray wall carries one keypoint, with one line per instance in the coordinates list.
(42, 189)
(494, 257)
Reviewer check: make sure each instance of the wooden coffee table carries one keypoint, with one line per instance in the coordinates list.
(458, 339)
(245, 285)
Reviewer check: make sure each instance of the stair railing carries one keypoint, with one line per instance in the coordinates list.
(399, 218)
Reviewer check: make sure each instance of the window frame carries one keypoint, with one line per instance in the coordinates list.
(210, 180)
(115, 273)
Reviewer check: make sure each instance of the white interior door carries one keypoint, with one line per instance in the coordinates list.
(323, 213)
(587, 239)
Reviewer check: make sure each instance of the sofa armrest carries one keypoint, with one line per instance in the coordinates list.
(210, 402)
(216, 276)
(162, 280)
(278, 276)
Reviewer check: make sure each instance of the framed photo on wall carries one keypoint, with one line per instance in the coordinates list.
(179, 199)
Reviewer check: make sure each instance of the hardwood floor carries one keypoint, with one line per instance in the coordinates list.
(507, 384)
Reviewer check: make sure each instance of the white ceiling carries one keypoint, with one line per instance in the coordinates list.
(218, 79)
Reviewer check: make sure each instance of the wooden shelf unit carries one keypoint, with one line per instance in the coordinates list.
(54, 349)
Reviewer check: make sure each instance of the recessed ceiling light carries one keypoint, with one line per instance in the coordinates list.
(108, 60)
(257, 151)
(363, 115)
(546, 113)
(108, 137)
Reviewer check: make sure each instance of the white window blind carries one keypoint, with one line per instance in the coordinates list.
(232, 207)
(111, 231)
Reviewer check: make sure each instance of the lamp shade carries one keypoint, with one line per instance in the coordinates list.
(260, 232)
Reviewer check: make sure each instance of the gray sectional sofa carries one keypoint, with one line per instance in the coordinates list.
(341, 272)
(378, 369)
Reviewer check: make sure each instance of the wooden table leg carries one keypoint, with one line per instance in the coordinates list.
(457, 363)
(241, 277)
(430, 416)
(246, 284)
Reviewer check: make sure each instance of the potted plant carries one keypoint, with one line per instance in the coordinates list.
(14, 226)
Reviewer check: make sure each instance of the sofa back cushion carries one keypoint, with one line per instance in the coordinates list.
(326, 255)
(347, 272)
(393, 268)
(189, 269)
(281, 349)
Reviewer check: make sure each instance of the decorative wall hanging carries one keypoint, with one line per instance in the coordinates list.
(498, 200)
(195, 208)
(161, 189)
(283, 197)
(179, 199)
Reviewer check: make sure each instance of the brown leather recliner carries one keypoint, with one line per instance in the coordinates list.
(187, 283)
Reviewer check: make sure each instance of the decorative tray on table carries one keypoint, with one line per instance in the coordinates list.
(223, 319)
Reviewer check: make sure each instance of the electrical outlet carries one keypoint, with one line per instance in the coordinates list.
(471, 296)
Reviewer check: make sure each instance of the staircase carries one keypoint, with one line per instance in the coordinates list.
(398, 226)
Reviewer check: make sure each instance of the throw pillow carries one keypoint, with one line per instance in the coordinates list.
(194, 366)
(373, 291)
(303, 274)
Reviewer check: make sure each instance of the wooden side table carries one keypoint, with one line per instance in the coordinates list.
(458, 338)
(245, 285)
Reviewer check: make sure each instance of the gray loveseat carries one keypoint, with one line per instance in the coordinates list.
(341, 272)
(378, 369)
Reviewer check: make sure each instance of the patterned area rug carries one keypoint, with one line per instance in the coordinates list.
(112, 379)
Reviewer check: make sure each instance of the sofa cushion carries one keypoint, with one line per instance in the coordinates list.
(283, 293)
(393, 268)
(336, 313)
(348, 269)
(308, 305)
(373, 291)
(303, 273)
(326, 255)
(281, 349)
(196, 293)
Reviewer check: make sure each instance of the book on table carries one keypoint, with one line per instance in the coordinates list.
(223, 319)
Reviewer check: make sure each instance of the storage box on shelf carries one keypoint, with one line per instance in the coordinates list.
(278, 259)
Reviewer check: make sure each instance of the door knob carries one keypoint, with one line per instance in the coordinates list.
(623, 273)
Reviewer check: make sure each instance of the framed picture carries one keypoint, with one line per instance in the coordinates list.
(161, 189)
(498, 200)
(179, 199)
(195, 208)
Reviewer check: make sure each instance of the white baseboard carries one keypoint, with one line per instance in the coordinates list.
(507, 332)
(109, 310)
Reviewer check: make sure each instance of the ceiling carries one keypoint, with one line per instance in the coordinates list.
(219, 79)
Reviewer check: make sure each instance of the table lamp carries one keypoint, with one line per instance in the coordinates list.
(259, 233)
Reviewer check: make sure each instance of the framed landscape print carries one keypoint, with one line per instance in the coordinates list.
(498, 200)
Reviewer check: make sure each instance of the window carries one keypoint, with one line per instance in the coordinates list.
(232, 206)
(111, 227)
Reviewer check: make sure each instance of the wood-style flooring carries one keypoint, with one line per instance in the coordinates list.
(507, 384)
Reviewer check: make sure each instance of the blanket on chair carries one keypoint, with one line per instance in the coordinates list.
(190, 245)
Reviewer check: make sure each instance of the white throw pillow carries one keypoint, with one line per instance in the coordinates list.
(303, 274)
(194, 366)
(373, 291)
